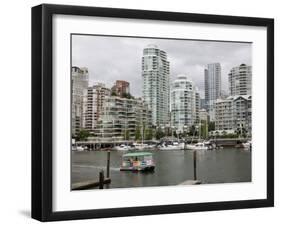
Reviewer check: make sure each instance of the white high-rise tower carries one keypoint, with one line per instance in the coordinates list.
(155, 83)
(183, 103)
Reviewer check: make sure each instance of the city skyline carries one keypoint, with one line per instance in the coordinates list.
(122, 57)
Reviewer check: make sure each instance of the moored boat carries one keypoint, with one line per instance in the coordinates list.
(247, 145)
(141, 146)
(123, 147)
(197, 146)
(172, 146)
(137, 161)
(79, 148)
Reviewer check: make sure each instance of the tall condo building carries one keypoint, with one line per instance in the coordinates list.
(183, 103)
(121, 88)
(240, 80)
(197, 105)
(79, 82)
(155, 83)
(212, 87)
(93, 101)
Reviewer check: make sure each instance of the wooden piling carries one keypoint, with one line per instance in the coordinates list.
(90, 184)
(194, 165)
(108, 164)
(101, 179)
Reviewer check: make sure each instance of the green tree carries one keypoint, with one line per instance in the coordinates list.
(192, 131)
(126, 135)
(217, 133)
(241, 131)
(159, 134)
(138, 133)
(204, 129)
(184, 134)
(148, 134)
(113, 93)
(127, 95)
(211, 126)
(83, 135)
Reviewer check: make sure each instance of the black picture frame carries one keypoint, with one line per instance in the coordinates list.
(42, 111)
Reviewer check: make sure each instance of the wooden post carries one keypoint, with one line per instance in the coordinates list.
(108, 164)
(194, 165)
(101, 179)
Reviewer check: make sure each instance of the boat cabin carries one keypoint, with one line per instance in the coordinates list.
(137, 161)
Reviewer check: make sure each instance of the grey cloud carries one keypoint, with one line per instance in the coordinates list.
(111, 58)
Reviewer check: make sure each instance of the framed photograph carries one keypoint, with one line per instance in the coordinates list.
(145, 112)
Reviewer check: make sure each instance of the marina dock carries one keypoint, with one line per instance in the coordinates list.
(105, 143)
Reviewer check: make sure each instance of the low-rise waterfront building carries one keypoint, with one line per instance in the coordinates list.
(224, 119)
(234, 113)
(215, 133)
(243, 114)
(122, 117)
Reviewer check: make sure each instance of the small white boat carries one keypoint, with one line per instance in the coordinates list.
(140, 146)
(123, 147)
(173, 146)
(79, 148)
(189, 146)
(210, 145)
(197, 146)
(247, 145)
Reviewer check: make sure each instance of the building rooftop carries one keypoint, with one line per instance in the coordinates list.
(152, 46)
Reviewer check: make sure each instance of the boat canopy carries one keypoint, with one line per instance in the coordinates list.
(137, 154)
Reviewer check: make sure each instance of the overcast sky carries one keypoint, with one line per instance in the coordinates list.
(112, 58)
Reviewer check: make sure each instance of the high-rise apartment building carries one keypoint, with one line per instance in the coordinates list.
(240, 80)
(155, 83)
(183, 103)
(79, 82)
(93, 101)
(197, 105)
(212, 87)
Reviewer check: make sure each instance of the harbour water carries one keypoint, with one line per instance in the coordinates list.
(226, 165)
